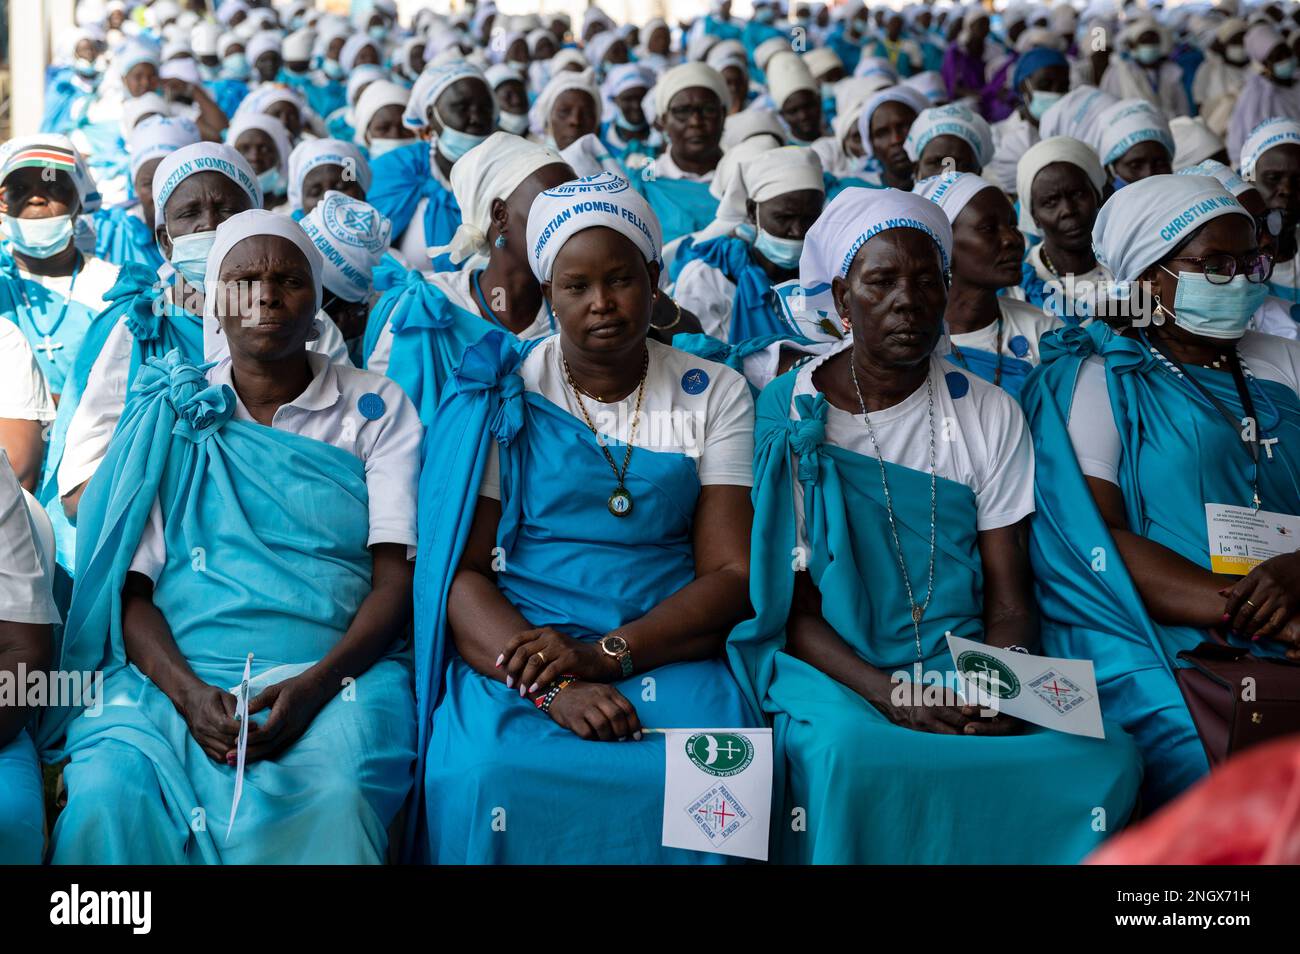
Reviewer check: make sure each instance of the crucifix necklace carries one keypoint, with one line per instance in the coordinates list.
(47, 344)
(918, 609)
(620, 501)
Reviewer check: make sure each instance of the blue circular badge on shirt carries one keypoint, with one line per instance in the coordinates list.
(371, 406)
(1019, 346)
(957, 384)
(694, 381)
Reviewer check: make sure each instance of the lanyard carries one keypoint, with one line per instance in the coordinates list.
(63, 312)
(1251, 446)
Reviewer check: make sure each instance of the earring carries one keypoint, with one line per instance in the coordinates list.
(500, 241)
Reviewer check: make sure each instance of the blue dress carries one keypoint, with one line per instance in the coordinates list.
(873, 791)
(399, 180)
(1177, 455)
(53, 325)
(502, 782)
(22, 803)
(681, 205)
(121, 237)
(283, 577)
(754, 311)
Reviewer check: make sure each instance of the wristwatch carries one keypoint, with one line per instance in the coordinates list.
(616, 646)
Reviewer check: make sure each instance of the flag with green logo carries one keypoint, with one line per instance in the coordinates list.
(718, 790)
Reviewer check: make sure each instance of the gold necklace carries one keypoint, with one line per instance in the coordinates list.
(620, 501)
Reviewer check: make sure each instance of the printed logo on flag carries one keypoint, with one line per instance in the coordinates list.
(721, 754)
(1058, 691)
(991, 674)
(718, 814)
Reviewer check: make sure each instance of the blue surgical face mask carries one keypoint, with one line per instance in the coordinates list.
(1216, 311)
(378, 33)
(1284, 69)
(1040, 101)
(453, 143)
(235, 66)
(1117, 183)
(764, 15)
(1147, 53)
(781, 252)
(39, 238)
(86, 69)
(516, 123)
(271, 181)
(379, 147)
(190, 255)
(333, 69)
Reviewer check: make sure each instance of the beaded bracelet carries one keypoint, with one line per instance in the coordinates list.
(544, 702)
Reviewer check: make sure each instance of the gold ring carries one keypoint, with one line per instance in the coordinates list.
(542, 658)
(1249, 603)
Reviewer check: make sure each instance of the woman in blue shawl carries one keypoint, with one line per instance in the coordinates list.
(870, 545)
(690, 104)
(452, 110)
(198, 567)
(564, 603)
(727, 280)
(1139, 436)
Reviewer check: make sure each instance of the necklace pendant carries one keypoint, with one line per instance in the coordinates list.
(620, 502)
(917, 613)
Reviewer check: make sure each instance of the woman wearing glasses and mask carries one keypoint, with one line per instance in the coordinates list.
(1149, 440)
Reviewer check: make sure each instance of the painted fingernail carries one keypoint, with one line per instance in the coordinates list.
(637, 736)
(522, 690)
(501, 659)
(1226, 617)
(510, 682)
(532, 688)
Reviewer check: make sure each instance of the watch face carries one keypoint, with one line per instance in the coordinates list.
(614, 645)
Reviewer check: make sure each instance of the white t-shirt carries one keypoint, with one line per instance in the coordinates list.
(459, 288)
(1274, 318)
(104, 397)
(413, 245)
(1084, 288)
(1022, 327)
(24, 395)
(981, 440)
(328, 411)
(1011, 138)
(707, 293)
(697, 408)
(665, 168)
(1093, 432)
(26, 594)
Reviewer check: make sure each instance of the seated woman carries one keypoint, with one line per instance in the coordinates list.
(1270, 159)
(317, 166)
(1060, 185)
(419, 328)
(26, 408)
(451, 110)
(948, 139)
(27, 611)
(527, 684)
(1134, 142)
(1040, 79)
(627, 133)
(690, 104)
(727, 281)
(884, 124)
(264, 143)
(847, 481)
(124, 233)
(511, 93)
(991, 335)
(331, 742)
(797, 99)
(378, 118)
(1134, 495)
(566, 109)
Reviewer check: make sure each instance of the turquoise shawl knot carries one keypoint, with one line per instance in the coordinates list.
(201, 408)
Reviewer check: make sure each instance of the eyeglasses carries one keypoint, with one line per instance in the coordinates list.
(1270, 222)
(704, 110)
(1221, 269)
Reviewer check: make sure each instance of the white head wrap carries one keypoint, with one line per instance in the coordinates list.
(931, 84)
(203, 39)
(138, 107)
(853, 91)
(768, 49)
(254, 222)
(373, 98)
(267, 41)
(202, 157)
(1140, 224)
(1265, 136)
(729, 165)
(599, 46)
(1227, 178)
(787, 74)
(352, 237)
(297, 45)
(1129, 122)
(491, 170)
(744, 125)
(759, 169)
(267, 124)
(952, 120)
(539, 114)
(856, 216)
(433, 82)
(1193, 141)
(952, 191)
(353, 47)
(182, 68)
(728, 53)
(50, 151)
(603, 201)
(1045, 153)
(132, 53)
(626, 76)
(588, 156)
(157, 136)
(310, 153)
(822, 60)
(905, 95)
(1261, 40)
(688, 76)
(1077, 114)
